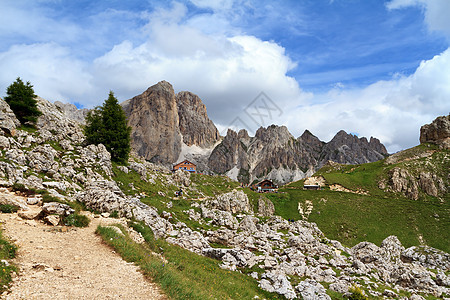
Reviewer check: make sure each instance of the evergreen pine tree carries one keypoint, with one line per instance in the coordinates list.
(108, 125)
(21, 99)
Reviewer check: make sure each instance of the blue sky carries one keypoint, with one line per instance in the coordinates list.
(379, 68)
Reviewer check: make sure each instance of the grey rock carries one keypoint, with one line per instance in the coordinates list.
(8, 120)
(57, 208)
(265, 207)
(153, 117)
(437, 132)
(310, 290)
(277, 283)
(427, 257)
(72, 112)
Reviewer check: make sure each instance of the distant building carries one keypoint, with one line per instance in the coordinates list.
(186, 166)
(311, 187)
(266, 186)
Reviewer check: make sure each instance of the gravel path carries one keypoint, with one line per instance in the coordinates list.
(74, 264)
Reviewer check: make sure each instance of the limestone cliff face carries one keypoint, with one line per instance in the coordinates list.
(153, 117)
(438, 132)
(195, 125)
(162, 121)
(275, 154)
(229, 153)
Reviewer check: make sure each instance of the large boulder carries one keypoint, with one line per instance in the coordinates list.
(438, 132)
(8, 120)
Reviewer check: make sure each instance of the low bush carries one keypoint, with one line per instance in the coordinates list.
(8, 208)
(76, 220)
(19, 187)
(7, 251)
(357, 293)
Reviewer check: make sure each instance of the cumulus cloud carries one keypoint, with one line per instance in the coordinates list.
(226, 72)
(51, 68)
(437, 12)
(392, 110)
(228, 69)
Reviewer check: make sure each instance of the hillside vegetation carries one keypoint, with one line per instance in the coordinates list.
(378, 210)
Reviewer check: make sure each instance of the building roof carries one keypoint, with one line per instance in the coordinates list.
(266, 181)
(184, 162)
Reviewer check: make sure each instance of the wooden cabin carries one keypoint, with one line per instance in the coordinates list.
(185, 165)
(266, 186)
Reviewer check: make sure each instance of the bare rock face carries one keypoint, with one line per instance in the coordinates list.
(438, 132)
(55, 125)
(349, 149)
(72, 112)
(229, 153)
(195, 125)
(402, 182)
(8, 120)
(153, 117)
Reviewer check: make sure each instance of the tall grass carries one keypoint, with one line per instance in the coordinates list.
(7, 251)
(186, 275)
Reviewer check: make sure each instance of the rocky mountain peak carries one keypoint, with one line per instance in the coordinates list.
(310, 139)
(438, 132)
(162, 87)
(162, 121)
(195, 125)
(243, 134)
(274, 134)
(153, 117)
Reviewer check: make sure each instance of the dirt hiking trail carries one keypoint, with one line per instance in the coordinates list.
(70, 263)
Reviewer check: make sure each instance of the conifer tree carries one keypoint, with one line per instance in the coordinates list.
(107, 125)
(22, 100)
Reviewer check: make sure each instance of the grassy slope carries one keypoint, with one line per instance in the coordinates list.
(186, 275)
(352, 218)
(7, 252)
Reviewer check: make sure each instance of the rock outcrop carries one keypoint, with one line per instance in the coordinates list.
(291, 258)
(195, 125)
(72, 112)
(438, 132)
(153, 117)
(8, 120)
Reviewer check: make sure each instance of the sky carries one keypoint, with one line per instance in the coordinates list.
(369, 67)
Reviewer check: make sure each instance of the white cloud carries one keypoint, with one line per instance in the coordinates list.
(392, 111)
(52, 70)
(437, 12)
(226, 72)
(205, 54)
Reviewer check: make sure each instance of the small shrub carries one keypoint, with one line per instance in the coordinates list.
(19, 187)
(8, 208)
(7, 250)
(76, 220)
(114, 214)
(357, 293)
(46, 198)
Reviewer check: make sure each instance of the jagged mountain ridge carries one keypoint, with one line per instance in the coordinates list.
(274, 153)
(169, 127)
